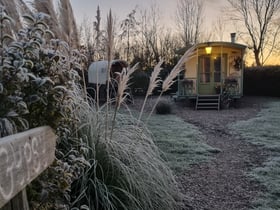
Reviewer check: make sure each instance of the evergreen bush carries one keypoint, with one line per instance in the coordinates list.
(37, 80)
(163, 107)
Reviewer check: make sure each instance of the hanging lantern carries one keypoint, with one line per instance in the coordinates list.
(208, 50)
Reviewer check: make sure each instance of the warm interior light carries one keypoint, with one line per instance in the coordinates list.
(208, 50)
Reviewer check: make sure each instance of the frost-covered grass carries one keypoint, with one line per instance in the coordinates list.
(181, 143)
(268, 175)
(264, 130)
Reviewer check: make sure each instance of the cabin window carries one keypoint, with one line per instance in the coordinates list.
(217, 69)
(205, 69)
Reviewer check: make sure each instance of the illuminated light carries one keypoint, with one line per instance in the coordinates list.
(208, 50)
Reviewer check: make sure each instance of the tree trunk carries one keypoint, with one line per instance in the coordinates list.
(257, 58)
(128, 45)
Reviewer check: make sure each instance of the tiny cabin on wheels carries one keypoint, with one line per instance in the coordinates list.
(213, 74)
(98, 75)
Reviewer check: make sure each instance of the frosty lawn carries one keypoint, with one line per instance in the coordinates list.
(181, 143)
(264, 130)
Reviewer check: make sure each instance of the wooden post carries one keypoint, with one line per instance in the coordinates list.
(23, 157)
(19, 202)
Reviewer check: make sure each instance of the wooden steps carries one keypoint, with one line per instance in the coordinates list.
(207, 102)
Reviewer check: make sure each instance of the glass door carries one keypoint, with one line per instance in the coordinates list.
(210, 68)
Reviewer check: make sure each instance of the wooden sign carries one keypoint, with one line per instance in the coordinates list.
(23, 157)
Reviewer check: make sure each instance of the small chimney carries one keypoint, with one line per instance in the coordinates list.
(232, 36)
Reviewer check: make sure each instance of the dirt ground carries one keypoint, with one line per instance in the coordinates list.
(221, 183)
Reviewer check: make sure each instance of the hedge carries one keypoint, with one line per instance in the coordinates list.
(262, 81)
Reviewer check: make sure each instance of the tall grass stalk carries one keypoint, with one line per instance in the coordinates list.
(84, 83)
(169, 80)
(10, 7)
(47, 7)
(154, 82)
(110, 43)
(68, 24)
(126, 171)
(97, 91)
(123, 84)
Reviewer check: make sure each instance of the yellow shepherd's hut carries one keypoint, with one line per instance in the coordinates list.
(213, 73)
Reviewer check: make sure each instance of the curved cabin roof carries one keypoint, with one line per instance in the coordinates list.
(221, 44)
(199, 49)
(97, 72)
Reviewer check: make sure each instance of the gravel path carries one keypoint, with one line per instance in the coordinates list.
(221, 184)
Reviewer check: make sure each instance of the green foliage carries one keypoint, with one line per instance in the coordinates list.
(12, 106)
(264, 131)
(262, 81)
(163, 107)
(37, 78)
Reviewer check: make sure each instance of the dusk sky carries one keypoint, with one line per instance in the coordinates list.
(167, 10)
(120, 8)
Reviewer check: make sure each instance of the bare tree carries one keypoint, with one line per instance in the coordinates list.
(259, 18)
(190, 17)
(168, 44)
(152, 32)
(87, 34)
(93, 37)
(98, 31)
(144, 46)
(219, 29)
(129, 29)
(149, 36)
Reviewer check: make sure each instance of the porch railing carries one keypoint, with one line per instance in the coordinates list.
(187, 87)
(233, 86)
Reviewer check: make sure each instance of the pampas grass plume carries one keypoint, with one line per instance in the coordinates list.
(170, 78)
(175, 71)
(154, 82)
(154, 79)
(124, 78)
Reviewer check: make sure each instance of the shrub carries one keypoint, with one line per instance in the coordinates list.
(36, 77)
(37, 80)
(163, 107)
(139, 82)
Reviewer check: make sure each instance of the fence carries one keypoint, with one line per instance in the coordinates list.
(24, 156)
